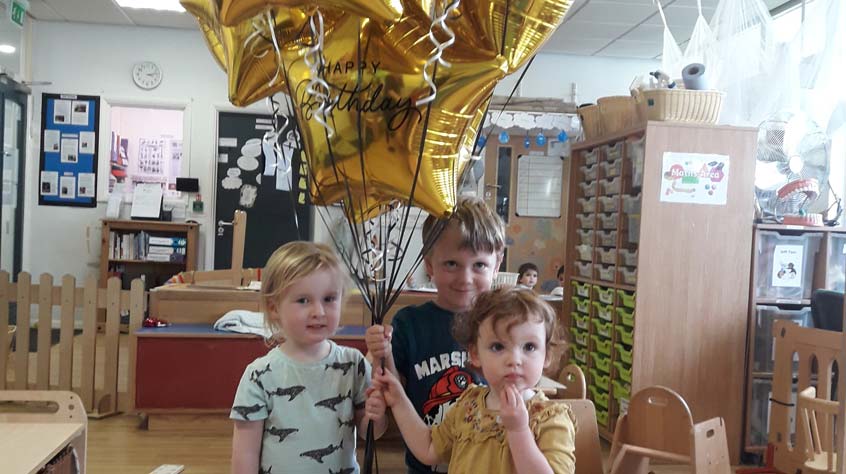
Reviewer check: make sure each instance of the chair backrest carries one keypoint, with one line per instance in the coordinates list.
(42, 406)
(817, 420)
(710, 447)
(573, 379)
(827, 310)
(659, 419)
(588, 450)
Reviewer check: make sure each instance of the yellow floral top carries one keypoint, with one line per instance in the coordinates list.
(473, 441)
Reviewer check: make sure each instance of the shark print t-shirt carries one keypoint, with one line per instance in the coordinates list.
(433, 365)
(308, 409)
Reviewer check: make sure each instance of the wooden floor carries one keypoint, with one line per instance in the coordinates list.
(117, 444)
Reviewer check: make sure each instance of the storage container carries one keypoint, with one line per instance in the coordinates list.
(605, 312)
(582, 305)
(625, 316)
(584, 270)
(627, 298)
(580, 354)
(613, 151)
(601, 362)
(633, 221)
(608, 203)
(602, 416)
(585, 236)
(600, 398)
(636, 150)
(607, 238)
(624, 334)
(611, 169)
(628, 275)
(580, 336)
(584, 252)
(628, 257)
(606, 273)
(624, 371)
(837, 262)
(785, 265)
(586, 221)
(608, 221)
(610, 186)
(592, 156)
(581, 289)
(601, 345)
(600, 380)
(631, 204)
(604, 295)
(581, 321)
(607, 256)
(621, 389)
(589, 172)
(624, 405)
(759, 415)
(588, 189)
(765, 318)
(623, 354)
(587, 205)
(601, 328)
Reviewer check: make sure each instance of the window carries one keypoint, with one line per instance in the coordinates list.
(145, 147)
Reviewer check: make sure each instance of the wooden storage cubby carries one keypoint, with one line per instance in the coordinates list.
(759, 379)
(691, 301)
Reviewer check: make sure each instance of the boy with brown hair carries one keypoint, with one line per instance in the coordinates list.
(418, 347)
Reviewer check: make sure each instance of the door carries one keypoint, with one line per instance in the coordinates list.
(13, 98)
(498, 184)
(271, 191)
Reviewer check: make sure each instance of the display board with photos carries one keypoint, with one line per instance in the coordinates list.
(69, 136)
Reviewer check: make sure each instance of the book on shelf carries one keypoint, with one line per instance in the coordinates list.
(167, 241)
(140, 245)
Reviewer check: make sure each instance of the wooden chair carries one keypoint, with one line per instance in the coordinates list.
(588, 451)
(573, 379)
(659, 425)
(816, 415)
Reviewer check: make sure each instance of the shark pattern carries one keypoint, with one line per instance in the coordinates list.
(265, 471)
(361, 368)
(350, 422)
(344, 470)
(245, 411)
(342, 366)
(332, 403)
(255, 377)
(319, 454)
(282, 433)
(290, 392)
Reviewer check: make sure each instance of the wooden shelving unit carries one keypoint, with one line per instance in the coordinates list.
(689, 290)
(155, 272)
(770, 304)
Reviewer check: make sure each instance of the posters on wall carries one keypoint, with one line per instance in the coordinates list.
(68, 164)
(695, 178)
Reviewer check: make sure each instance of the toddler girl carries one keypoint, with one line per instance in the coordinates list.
(528, 275)
(298, 407)
(507, 427)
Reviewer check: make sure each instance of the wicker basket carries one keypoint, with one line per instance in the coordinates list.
(591, 121)
(682, 105)
(617, 112)
(505, 279)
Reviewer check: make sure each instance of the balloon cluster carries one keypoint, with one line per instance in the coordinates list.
(389, 94)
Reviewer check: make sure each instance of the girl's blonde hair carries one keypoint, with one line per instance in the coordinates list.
(510, 304)
(288, 264)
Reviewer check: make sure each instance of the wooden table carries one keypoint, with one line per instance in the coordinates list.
(26, 447)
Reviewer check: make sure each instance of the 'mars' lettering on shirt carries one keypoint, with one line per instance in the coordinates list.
(442, 362)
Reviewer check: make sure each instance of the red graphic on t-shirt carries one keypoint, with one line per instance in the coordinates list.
(451, 384)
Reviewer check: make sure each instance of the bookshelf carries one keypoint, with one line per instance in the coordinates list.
(152, 249)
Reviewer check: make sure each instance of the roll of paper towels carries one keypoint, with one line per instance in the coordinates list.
(693, 76)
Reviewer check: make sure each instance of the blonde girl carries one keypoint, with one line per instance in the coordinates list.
(298, 407)
(508, 426)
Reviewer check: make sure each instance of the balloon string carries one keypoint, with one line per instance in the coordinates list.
(317, 87)
(272, 27)
(437, 55)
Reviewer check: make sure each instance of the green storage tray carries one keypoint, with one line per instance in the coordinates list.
(582, 305)
(621, 389)
(601, 380)
(581, 289)
(623, 354)
(624, 334)
(626, 298)
(605, 312)
(600, 397)
(581, 321)
(601, 345)
(604, 295)
(579, 337)
(601, 362)
(601, 328)
(602, 417)
(623, 372)
(626, 316)
(580, 354)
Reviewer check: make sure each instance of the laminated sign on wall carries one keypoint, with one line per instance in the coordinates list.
(787, 265)
(694, 178)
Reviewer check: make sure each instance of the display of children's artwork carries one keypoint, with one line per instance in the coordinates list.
(68, 165)
(694, 178)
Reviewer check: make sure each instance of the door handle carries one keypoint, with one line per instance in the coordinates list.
(497, 186)
(220, 225)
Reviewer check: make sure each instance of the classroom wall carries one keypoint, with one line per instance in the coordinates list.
(97, 60)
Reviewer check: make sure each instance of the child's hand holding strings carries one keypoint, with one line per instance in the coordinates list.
(378, 341)
(512, 410)
(387, 386)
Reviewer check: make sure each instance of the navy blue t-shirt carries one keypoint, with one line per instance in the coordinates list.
(432, 363)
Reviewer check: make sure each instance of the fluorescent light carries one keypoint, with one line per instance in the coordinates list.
(7, 48)
(168, 5)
